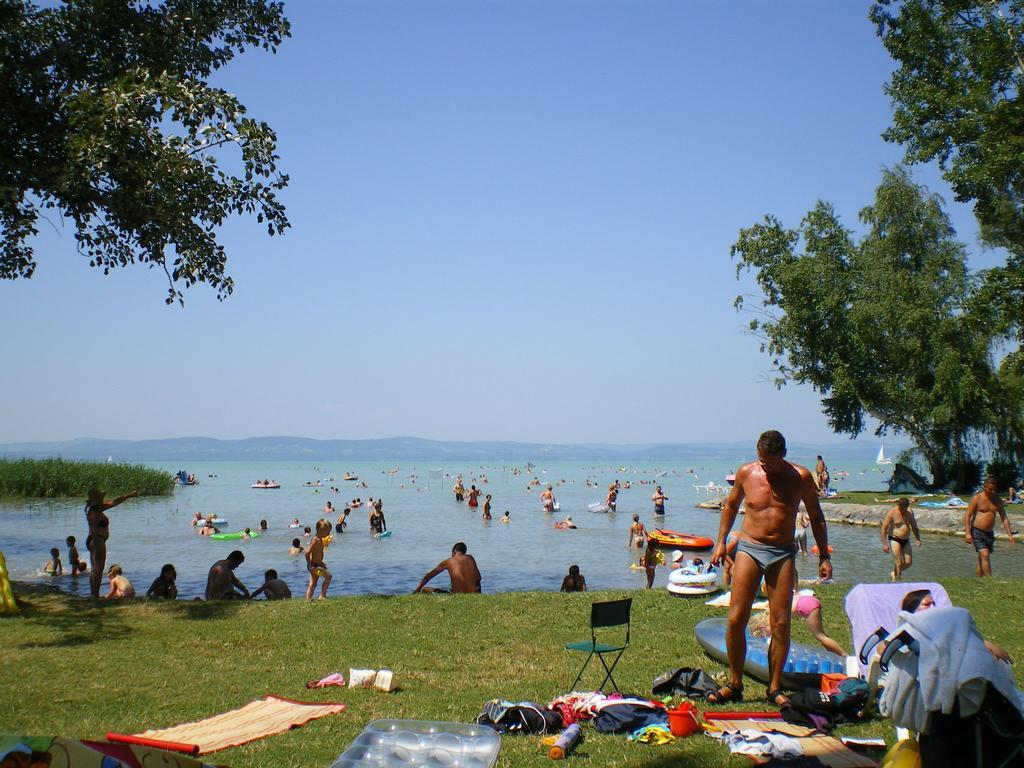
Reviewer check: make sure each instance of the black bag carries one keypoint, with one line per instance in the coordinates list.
(524, 717)
(685, 681)
(628, 716)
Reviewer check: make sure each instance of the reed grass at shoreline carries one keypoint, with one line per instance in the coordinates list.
(56, 478)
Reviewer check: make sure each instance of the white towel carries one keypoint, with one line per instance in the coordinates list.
(953, 666)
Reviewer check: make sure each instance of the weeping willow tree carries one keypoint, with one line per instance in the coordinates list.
(881, 326)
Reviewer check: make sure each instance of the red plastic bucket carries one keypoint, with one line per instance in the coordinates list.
(684, 721)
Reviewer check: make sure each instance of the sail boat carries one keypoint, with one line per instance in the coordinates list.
(881, 456)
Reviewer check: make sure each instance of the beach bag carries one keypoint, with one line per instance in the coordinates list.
(628, 716)
(685, 681)
(522, 717)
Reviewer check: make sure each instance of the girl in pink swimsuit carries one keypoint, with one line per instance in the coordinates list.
(808, 608)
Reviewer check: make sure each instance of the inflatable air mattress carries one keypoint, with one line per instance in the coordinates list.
(804, 665)
(237, 535)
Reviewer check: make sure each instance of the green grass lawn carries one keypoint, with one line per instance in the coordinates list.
(80, 669)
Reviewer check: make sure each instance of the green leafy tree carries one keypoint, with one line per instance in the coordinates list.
(877, 326)
(957, 99)
(109, 120)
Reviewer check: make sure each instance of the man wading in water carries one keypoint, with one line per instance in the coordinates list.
(980, 524)
(773, 489)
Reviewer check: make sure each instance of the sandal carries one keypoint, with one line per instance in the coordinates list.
(778, 699)
(728, 692)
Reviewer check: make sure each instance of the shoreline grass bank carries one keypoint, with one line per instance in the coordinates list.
(56, 478)
(81, 668)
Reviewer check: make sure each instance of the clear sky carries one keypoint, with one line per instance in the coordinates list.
(511, 221)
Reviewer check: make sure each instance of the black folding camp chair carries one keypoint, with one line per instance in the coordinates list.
(604, 616)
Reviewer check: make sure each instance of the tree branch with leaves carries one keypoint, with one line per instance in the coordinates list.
(113, 125)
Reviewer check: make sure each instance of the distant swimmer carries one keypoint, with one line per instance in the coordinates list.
(637, 533)
(474, 496)
(295, 548)
(487, 507)
(659, 500)
(377, 523)
(506, 518)
(613, 495)
(462, 569)
(547, 499)
(459, 489)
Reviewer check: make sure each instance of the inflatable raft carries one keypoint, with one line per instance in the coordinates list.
(693, 580)
(236, 535)
(666, 538)
(803, 666)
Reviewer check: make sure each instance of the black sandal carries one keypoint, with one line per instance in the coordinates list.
(725, 694)
(772, 697)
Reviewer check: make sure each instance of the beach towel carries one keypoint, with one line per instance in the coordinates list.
(953, 502)
(830, 751)
(951, 667)
(871, 606)
(60, 752)
(255, 720)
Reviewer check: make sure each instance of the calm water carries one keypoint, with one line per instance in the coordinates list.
(527, 554)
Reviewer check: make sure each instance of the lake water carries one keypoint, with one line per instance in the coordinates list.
(527, 554)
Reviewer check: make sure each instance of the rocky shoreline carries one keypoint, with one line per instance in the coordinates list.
(945, 521)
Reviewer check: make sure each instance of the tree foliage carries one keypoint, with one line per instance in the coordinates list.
(957, 98)
(110, 121)
(879, 326)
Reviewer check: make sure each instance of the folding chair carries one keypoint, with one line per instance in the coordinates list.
(614, 613)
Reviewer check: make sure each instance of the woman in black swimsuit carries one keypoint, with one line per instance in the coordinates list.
(99, 532)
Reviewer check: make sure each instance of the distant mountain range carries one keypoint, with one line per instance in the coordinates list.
(307, 449)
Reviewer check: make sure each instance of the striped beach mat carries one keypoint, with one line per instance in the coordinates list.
(257, 719)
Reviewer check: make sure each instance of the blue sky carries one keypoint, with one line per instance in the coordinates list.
(511, 221)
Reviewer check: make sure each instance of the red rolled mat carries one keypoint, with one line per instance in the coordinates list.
(173, 746)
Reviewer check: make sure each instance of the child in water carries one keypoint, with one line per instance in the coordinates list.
(53, 566)
(77, 566)
(120, 587)
(315, 560)
(295, 548)
(164, 585)
(506, 518)
(273, 587)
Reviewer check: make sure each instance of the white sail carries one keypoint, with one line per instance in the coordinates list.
(881, 456)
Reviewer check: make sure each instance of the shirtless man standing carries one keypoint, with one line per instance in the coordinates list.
(896, 528)
(461, 568)
(659, 500)
(773, 489)
(222, 582)
(980, 523)
(547, 499)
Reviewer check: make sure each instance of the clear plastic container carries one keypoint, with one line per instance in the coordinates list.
(402, 743)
